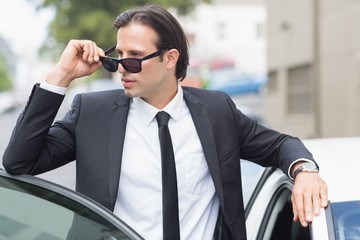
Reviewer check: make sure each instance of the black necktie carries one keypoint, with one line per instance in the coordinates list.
(170, 207)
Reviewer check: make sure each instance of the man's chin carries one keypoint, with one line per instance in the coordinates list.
(130, 93)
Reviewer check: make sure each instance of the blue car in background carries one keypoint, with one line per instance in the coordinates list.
(235, 82)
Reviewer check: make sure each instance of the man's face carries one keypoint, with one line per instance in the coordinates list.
(156, 81)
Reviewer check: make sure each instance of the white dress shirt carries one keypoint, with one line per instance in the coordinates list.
(139, 200)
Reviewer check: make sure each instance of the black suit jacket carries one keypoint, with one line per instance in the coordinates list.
(93, 132)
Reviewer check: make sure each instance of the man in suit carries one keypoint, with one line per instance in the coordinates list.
(113, 135)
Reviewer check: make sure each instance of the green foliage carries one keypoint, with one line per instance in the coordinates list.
(5, 80)
(93, 19)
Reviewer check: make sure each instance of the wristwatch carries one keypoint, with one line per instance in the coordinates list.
(306, 167)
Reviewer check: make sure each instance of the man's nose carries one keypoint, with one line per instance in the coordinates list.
(121, 69)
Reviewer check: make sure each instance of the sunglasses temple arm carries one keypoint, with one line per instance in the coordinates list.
(110, 50)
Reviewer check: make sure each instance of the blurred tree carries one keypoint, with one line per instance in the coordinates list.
(5, 81)
(93, 19)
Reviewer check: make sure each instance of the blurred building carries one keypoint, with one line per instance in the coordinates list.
(314, 67)
(228, 31)
(228, 46)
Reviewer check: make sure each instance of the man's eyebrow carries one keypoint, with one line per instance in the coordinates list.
(131, 52)
(136, 52)
(118, 51)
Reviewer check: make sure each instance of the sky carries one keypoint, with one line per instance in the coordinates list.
(22, 26)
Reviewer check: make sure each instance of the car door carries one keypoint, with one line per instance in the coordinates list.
(32, 208)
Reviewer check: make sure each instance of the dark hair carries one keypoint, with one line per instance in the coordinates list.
(170, 34)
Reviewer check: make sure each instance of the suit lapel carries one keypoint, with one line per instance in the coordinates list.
(117, 126)
(205, 131)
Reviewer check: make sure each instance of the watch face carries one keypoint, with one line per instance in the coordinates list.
(306, 167)
(309, 166)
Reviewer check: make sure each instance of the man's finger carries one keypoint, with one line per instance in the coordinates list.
(294, 209)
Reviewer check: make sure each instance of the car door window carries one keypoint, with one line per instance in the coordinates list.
(32, 212)
(278, 220)
(285, 228)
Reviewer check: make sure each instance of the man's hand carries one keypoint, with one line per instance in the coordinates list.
(80, 58)
(309, 195)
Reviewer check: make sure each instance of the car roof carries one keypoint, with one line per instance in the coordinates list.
(339, 161)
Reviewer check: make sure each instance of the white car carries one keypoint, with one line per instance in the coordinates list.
(268, 196)
(33, 208)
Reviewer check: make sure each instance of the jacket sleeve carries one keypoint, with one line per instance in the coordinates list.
(37, 146)
(268, 147)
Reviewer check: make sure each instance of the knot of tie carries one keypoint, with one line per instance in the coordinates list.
(162, 118)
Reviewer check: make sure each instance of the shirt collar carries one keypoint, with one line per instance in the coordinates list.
(148, 112)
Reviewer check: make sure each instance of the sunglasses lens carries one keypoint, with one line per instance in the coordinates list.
(109, 64)
(131, 65)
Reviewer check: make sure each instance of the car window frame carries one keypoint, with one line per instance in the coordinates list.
(266, 174)
(282, 190)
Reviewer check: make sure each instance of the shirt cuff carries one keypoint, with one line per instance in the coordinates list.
(296, 161)
(53, 88)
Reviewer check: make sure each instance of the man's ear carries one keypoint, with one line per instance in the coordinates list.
(171, 57)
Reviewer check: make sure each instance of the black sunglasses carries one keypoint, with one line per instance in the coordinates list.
(132, 65)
